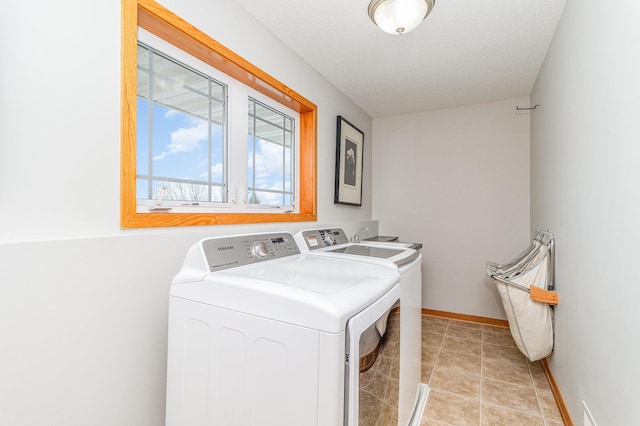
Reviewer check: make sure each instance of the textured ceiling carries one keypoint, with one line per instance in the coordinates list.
(465, 52)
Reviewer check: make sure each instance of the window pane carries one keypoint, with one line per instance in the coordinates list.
(186, 128)
(269, 115)
(142, 137)
(218, 172)
(270, 145)
(269, 132)
(180, 145)
(179, 87)
(181, 191)
(288, 170)
(267, 198)
(142, 189)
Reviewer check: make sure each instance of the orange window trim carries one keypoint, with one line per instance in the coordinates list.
(163, 23)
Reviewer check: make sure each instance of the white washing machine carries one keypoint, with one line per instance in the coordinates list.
(334, 243)
(260, 334)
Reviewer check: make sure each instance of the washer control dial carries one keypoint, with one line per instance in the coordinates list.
(260, 249)
(328, 238)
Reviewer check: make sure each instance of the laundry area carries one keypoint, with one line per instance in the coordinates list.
(447, 234)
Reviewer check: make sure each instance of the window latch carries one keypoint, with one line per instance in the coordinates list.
(158, 207)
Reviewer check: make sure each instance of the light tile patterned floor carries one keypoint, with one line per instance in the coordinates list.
(478, 376)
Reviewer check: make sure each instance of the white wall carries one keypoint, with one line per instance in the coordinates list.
(83, 311)
(585, 180)
(456, 180)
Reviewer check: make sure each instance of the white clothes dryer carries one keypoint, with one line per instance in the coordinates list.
(260, 334)
(334, 243)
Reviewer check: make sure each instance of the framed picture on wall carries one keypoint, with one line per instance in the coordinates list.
(349, 147)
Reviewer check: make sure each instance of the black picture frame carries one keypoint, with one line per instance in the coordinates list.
(349, 163)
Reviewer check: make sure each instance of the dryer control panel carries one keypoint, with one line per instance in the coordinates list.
(321, 238)
(231, 252)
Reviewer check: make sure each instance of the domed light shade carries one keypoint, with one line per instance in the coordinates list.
(399, 16)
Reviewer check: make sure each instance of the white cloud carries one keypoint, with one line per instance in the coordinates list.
(171, 113)
(268, 163)
(268, 169)
(185, 139)
(216, 173)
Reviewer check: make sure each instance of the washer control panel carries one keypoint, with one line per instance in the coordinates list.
(231, 252)
(321, 238)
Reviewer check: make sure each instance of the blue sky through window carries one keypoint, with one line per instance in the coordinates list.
(180, 148)
(181, 138)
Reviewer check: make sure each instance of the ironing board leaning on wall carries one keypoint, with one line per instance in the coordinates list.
(526, 286)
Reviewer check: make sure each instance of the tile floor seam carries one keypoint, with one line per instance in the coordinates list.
(457, 394)
(504, 407)
(440, 421)
(535, 390)
(435, 362)
(512, 384)
(491, 336)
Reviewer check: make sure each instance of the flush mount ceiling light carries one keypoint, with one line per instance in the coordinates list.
(399, 16)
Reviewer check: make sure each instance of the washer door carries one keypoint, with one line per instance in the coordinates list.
(359, 408)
